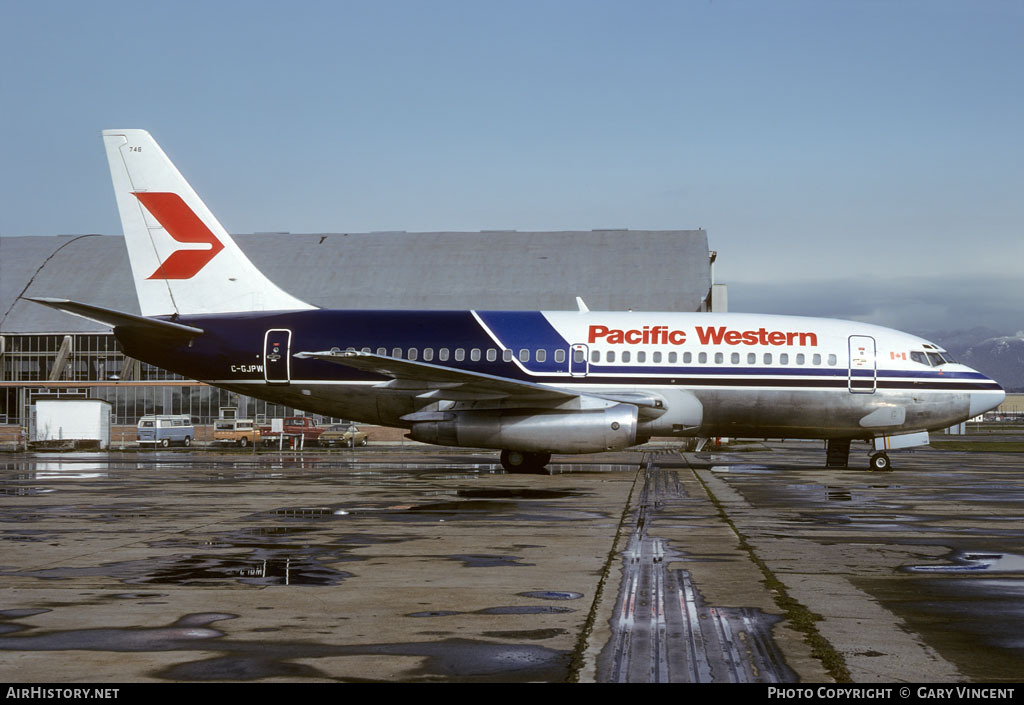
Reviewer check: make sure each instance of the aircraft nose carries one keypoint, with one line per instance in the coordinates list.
(986, 399)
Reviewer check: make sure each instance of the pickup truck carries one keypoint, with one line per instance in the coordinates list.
(294, 426)
(240, 432)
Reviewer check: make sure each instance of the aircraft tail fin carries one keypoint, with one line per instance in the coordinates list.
(183, 260)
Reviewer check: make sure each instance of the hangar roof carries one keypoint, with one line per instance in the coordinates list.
(654, 270)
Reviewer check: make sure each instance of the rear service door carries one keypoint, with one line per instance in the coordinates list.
(277, 346)
(862, 378)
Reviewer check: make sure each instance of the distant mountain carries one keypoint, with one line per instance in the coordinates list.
(1001, 357)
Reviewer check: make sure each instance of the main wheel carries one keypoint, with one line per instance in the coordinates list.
(517, 461)
(166, 442)
(880, 462)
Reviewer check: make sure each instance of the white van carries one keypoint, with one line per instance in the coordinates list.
(164, 429)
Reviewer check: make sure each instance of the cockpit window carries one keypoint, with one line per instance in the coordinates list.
(932, 359)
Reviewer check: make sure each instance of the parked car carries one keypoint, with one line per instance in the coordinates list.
(240, 432)
(164, 429)
(344, 435)
(294, 426)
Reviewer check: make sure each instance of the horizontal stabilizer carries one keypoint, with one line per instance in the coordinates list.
(119, 319)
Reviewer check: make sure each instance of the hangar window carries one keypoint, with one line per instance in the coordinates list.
(542, 355)
(641, 356)
(719, 358)
(783, 358)
(751, 358)
(832, 360)
(442, 354)
(507, 354)
(611, 356)
(656, 357)
(767, 358)
(396, 352)
(559, 355)
(474, 354)
(428, 354)
(460, 354)
(413, 353)
(625, 356)
(492, 354)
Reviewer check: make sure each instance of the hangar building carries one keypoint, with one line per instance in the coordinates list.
(45, 354)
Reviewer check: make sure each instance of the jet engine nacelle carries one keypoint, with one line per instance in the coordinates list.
(537, 430)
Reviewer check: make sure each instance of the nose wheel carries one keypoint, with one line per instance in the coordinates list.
(880, 462)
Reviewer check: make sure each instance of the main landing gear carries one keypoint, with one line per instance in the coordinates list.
(517, 461)
(880, 462)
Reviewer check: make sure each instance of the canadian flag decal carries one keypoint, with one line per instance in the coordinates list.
(182, 224)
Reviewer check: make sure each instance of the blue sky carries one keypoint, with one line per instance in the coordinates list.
(876, 143)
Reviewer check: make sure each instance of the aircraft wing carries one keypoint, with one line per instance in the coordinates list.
(429, 381)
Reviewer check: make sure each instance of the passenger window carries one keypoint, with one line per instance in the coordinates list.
(382, 351)
(816, 360)
(396, 352)
(442, 354)
(611, 356)
(428, 354)
(474, 355)
(799, 358)
(625, 356)
(366, 350)
(751, 358)
(460, 354)
(595, 356)
(412, 353)
(767, 358)
(542, 355)
(492, 355)
(578, 355)
(507, 355)
(702, 358)
(559, 355)
(783, 358)
(832, 360)
(734, 358)
(641, 356)
(673, 357)
(656, 357)
(719, 358)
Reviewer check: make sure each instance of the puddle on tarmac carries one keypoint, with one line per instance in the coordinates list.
(552, 595)
(488, 561)
(510, 609)
(205, 570)
(976, 561)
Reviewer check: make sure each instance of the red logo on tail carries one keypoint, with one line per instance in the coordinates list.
(184, 226)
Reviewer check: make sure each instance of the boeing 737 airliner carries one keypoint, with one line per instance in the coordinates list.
(527, 383)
